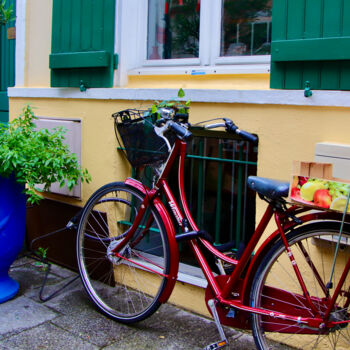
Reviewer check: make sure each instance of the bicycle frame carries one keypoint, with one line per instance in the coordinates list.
(231, 291)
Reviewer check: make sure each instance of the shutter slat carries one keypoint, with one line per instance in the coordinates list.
(7, 63)
(313, 29)
(295, 22)
(332, 18)
(279, 15)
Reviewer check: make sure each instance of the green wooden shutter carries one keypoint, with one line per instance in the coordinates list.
(7, 64)
(310, 42)
(82, 43)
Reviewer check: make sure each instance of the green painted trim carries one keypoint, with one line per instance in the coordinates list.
(218, 197)
(4, 117)
(222, 160)
(239, 235)
(4, 101)
(79, 59)
(200, 186)
(320, 49)
(115, 61)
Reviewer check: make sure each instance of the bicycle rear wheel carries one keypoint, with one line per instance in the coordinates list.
(125, 286)
(276, 288)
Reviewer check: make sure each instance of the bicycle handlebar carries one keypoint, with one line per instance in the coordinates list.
(184, 134)
(232, 128)
(180, 131)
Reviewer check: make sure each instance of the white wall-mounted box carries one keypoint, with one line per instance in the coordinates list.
(73, 140)
(337, 154)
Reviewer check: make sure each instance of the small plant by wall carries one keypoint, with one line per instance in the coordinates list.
(6, 13)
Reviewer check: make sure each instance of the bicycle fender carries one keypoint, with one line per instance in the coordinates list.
(170, 230)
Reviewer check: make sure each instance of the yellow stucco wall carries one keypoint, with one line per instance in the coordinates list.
(38, 43)
(285, 132)
(210, 81)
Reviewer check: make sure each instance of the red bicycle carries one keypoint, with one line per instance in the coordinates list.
(291, 289)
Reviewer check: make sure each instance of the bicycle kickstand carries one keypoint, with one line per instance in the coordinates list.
(223, 342)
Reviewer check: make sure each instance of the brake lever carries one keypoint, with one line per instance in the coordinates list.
(229, 125)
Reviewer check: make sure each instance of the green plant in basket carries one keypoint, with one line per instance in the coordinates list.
(37, 156)
(176, 104)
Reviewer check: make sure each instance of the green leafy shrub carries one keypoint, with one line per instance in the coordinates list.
(37, 156)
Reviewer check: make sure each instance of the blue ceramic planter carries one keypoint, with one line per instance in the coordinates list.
(12, 231)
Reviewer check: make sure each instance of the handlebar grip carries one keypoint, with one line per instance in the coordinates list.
(231, 127)
(181, 115)
(181, 132)
(247, 136)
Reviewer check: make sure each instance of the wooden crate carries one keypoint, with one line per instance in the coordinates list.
(312, 184)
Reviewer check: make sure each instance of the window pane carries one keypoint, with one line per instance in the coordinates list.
(173, 29)
(246, 27)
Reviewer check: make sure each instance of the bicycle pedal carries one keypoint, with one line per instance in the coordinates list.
(218, 345)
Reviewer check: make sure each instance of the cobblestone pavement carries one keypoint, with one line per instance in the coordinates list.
(69, 320)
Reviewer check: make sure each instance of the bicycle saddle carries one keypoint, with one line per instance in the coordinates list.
(268, 187)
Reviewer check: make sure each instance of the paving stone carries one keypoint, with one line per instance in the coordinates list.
(89, 324)
(70, 320)
(46, 337)
(243, 341)
(193, 330)
(55, 290)
(30, 276)
(62, 271)
(22, 313)
(151, 341)
(70, 300)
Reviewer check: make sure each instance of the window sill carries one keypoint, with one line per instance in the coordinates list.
(271, 97)
(203, 70)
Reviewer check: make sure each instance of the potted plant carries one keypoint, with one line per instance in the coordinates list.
(28, 157)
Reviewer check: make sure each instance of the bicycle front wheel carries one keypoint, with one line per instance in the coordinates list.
(124, 285)
(276, 288)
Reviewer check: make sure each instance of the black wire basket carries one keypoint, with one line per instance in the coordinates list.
(137, 138)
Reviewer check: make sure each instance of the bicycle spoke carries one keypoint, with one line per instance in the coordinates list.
(276, 288)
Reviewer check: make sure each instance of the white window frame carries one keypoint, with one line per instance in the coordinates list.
(131, 44)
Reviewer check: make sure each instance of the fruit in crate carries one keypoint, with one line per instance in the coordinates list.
(327, 194)
(322, 198)
(339, 204)
(309, 188)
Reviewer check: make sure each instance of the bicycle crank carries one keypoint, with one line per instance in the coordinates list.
(223, 342)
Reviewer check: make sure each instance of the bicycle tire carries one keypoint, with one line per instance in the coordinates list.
(318, 240)
(125, 288)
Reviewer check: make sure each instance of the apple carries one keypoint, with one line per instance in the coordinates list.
(295, 192)
(322, 198)
(308, 190)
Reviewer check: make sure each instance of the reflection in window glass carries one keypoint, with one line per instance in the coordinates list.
(173, 29)
(246, 27)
